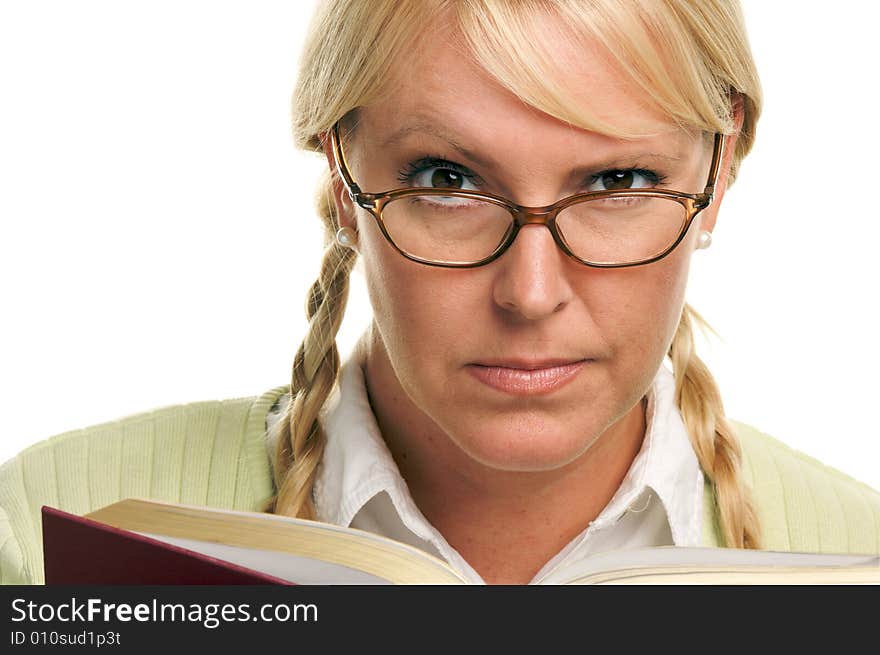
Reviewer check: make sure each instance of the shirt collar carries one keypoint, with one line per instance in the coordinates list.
(665, 465)
(357, 465)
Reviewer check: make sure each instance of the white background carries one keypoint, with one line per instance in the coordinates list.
(153, 247)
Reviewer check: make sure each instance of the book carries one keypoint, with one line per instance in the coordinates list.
(137, 541)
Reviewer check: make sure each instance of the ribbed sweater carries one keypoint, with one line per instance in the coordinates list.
(213, 453)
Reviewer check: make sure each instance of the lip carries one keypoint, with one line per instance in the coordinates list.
(527, 377)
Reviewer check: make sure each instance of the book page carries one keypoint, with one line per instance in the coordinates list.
(668, 559)
(345, 547)
(294, 568)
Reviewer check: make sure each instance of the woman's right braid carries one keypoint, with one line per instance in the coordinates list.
(301, 436)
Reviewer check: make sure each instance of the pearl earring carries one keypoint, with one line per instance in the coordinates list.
(704, 240)
(346, 237)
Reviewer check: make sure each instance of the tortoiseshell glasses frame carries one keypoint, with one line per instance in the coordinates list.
(693, 204)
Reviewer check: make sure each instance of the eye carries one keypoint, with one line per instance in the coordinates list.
(619, 180)
(435, 173)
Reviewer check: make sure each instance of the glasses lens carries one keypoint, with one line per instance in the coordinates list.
(621, 229)
(446, 229)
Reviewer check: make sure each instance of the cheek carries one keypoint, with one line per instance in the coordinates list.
(417, 309)
(637, 310)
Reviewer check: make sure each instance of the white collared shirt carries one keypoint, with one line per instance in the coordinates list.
(358, 484)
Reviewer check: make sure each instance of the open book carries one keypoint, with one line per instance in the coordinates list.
(147, 542)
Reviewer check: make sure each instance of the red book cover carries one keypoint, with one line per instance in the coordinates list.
(77, 550)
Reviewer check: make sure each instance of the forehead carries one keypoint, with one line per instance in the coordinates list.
(439, 79)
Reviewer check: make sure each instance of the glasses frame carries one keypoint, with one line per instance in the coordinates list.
(693, 204)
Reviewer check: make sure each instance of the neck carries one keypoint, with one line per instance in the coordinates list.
(506, 524)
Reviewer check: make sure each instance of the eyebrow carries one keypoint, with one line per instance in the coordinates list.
(438, 132)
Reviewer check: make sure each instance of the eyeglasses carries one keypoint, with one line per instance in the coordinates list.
(464, 229)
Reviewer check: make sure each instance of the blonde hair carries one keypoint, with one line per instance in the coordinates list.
(691, 57)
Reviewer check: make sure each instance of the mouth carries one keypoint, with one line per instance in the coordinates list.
(527, 377)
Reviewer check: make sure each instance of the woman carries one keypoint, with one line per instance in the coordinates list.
(509, 409)
(514, 374)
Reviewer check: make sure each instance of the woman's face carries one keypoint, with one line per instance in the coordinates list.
(460, 342)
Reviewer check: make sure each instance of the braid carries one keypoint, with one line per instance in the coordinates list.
(712, 436)
(301, 437)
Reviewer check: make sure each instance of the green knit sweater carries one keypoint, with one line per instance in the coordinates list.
(213, 453)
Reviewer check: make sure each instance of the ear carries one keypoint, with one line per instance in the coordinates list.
(708, 217)
(345, 209)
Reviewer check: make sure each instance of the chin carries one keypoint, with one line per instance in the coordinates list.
(528, 448)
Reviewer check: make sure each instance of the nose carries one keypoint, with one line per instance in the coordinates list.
(532, 280)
